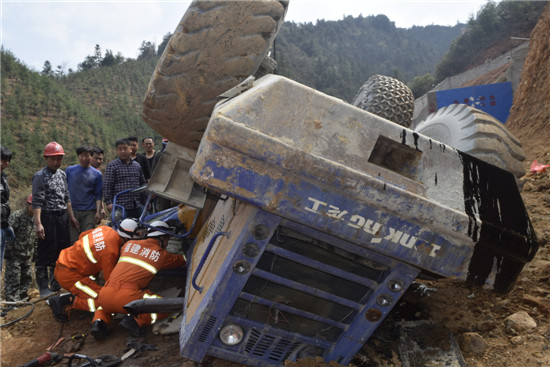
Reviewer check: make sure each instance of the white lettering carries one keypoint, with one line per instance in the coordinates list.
(357, 221)
(372, 227)
(435, 249)
(410, 243)
(394, 235)
(369, 226)
(316, 205)
(335, 212)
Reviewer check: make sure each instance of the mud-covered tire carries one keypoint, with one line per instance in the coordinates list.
(388, 98)
(216, 45)
(478, 134)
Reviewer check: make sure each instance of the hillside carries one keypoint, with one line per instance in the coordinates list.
(530, 113)
(337, 57)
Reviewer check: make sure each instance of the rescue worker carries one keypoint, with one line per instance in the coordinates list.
(95, 250)
(139, 261)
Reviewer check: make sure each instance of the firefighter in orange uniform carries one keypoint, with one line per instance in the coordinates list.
(96, 250)
(139, 261)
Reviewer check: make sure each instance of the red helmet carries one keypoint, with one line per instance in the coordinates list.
(53, 148)
(29, 199)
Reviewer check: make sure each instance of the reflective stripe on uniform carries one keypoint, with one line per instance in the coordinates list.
(88, 250)
(84, 288)
(154, 316)
(138, 262)
(91, 305)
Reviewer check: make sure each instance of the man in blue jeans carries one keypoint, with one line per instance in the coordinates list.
(7, 232)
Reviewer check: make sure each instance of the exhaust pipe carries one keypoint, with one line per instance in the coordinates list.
(155, 305)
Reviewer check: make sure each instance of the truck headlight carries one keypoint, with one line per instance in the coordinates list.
(231, 334)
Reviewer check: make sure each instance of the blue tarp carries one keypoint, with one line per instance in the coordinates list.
(495, 99)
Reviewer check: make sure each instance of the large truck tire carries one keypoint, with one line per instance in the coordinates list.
(388, 98)
(478, 134)
(216, 45)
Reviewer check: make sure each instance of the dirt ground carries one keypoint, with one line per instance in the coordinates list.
(449, 305)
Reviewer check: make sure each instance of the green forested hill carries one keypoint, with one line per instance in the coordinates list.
(337, 57)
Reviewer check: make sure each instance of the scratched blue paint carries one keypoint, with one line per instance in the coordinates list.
(293, 203)
(242, 178)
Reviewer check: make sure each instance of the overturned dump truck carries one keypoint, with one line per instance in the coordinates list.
(318, 215)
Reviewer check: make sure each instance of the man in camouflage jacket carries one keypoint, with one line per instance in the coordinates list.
(19, 254)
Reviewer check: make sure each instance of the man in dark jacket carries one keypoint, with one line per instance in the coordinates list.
(7, 232)
(139, 157)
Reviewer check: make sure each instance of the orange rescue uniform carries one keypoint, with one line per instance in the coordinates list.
(139, 261)
(96, 250)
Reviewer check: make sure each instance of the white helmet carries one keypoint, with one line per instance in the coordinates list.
(127, 228)
(153, 232)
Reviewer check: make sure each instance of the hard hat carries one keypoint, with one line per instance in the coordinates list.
(127, 228)
(29, 199)
(52, 149)
(153, 232)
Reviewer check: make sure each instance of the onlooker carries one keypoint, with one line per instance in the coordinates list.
(86, 191)
(95, 251)
(19, 255)
(150, 153)
(52, 211)
(96, 162)
(140, 158)
(97, 159)
(120, 175)
(7, 232)
(139, 261)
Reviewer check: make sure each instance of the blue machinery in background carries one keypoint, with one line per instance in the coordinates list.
(495, 99)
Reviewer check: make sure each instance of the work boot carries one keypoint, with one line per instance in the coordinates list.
(58, 304)
(132, 326)
(42, 280)
(99, 330)
(54, 285)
